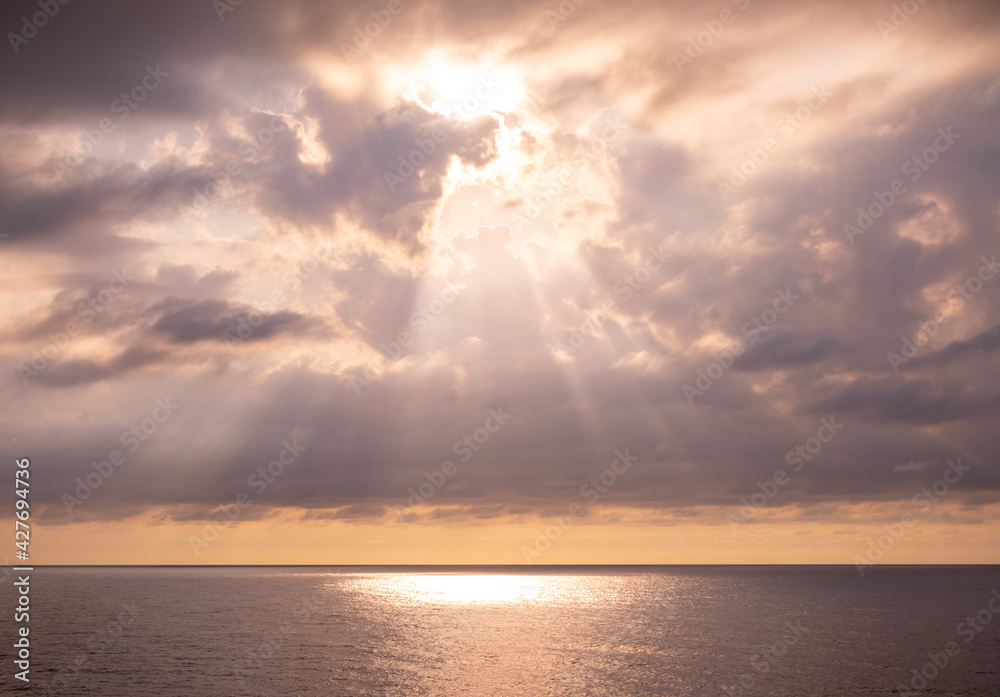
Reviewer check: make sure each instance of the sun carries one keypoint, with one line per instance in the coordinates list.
(462, 90)
(542, 186)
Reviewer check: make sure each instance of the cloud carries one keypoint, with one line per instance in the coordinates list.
(186, 322)
(393, 272)
(982, 344)
(917, 401)
(783, 348)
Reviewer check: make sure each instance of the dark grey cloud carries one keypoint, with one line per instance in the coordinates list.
(981, 345)
(186, 322)
(73, 218)
(785, 348)
(75, 373)
(910, 400)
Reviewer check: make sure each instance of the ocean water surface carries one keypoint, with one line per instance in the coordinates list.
(677, 631)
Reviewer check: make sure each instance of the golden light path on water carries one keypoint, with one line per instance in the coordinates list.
(496, 631)
(477, 589)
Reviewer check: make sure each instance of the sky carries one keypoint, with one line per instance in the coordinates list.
(502, 282)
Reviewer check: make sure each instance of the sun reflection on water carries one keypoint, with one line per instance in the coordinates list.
(474, 589)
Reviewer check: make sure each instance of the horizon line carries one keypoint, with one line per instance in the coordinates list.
(519, 566)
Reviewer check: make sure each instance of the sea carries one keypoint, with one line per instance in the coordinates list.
(683, 631)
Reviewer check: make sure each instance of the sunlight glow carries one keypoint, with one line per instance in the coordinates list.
(467, 589)
(462, 91)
